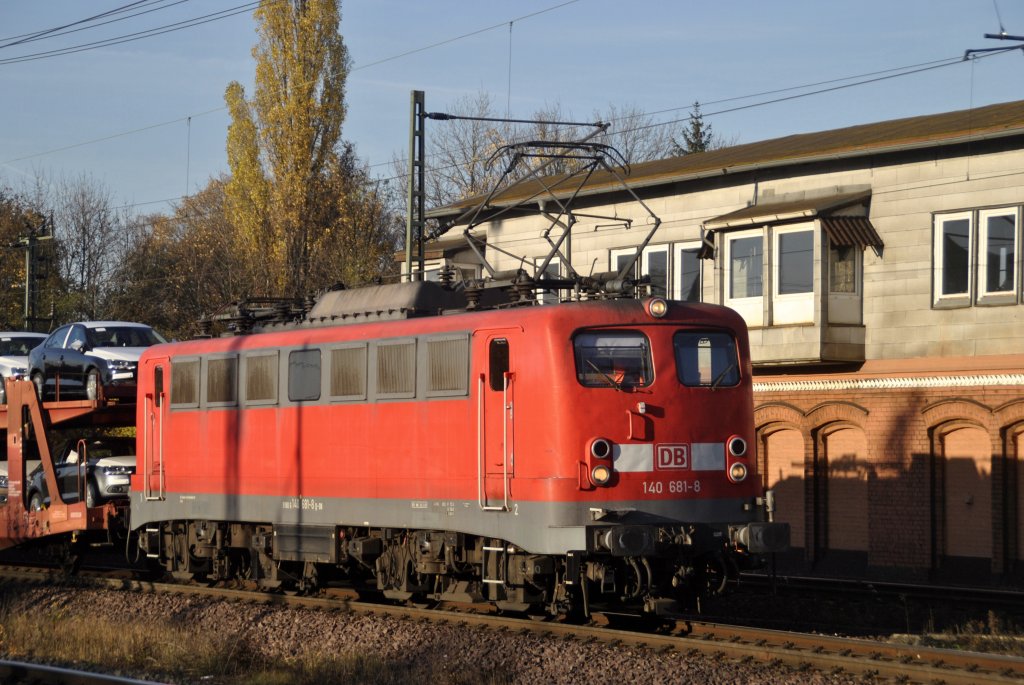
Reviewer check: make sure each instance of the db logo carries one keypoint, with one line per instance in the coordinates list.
(673, 457)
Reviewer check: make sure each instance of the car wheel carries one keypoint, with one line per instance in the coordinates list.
(35, 502)
(92, 384)
(91, 498)
(37, 380)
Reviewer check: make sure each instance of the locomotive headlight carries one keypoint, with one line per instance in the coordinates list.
(657, 307)
(737, 446)
(600, 448)
(600, 474)
(738, 472)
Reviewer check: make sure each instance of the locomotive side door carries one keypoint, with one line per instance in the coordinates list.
(157, 376)
(495, 420)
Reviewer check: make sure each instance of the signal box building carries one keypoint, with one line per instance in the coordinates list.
(879, 270)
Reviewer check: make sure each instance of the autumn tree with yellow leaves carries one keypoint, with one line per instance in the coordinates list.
(302, 208)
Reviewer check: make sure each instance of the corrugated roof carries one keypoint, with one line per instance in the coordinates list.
(888, 136)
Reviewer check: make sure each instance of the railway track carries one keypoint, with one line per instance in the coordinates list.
(792, 650)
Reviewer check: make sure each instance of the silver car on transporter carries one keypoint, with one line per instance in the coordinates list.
(14, 349)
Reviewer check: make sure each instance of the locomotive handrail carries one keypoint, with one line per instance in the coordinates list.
(481, 465)
(149, 448)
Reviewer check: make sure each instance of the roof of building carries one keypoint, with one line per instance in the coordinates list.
(982, 123)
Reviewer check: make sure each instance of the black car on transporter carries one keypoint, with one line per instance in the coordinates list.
(78, 359)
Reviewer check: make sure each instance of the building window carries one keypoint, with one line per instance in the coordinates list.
(953, 257)
(795, 262)
(744, 281)
(998, 240)
(746, 257)
(687, 280)
(842, 269)
(653, 263)
(553, 270)
(793, 274)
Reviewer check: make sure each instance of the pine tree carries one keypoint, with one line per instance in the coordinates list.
(697, 137)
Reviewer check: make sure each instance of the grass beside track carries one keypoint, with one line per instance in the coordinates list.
(160, 649)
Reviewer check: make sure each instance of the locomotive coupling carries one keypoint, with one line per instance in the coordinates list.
(762, 537)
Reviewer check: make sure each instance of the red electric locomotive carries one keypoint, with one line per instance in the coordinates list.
(543, 458)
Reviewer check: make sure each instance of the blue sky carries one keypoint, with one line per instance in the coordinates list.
(135, 99)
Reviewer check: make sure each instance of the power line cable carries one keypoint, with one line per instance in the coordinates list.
(447, 41)
(51, 34)
(138, 35)
(35, 35)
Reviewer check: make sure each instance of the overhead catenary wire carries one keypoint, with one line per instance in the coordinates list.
(881, 75)
(138, 35)
(54, 31)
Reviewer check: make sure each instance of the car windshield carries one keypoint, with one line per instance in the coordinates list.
(123, 336)
(17, 346)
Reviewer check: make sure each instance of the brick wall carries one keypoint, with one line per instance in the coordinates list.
(913, 479)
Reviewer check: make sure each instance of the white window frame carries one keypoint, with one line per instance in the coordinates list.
(614, 255)
(677, 270)
(951, 299)
(983, 291)
(750, 308)
(645, 265)
(844, 308)
(792, 308)
(545, 297)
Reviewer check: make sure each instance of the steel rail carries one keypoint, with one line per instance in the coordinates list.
(795, 650)
(23, 672)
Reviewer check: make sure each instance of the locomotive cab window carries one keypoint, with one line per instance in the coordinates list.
(613, 359)
(706, 359)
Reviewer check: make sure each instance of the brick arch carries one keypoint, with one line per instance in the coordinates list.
(1009, 413)
(771, 413)
(957, 409)
(831, 412)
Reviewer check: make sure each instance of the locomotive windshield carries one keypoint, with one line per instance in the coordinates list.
(613, 359)
(704, 358)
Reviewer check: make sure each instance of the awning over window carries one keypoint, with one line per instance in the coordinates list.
(841, 229)
(855, 231)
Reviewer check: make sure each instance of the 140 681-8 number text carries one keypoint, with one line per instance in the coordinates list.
(675, 487)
